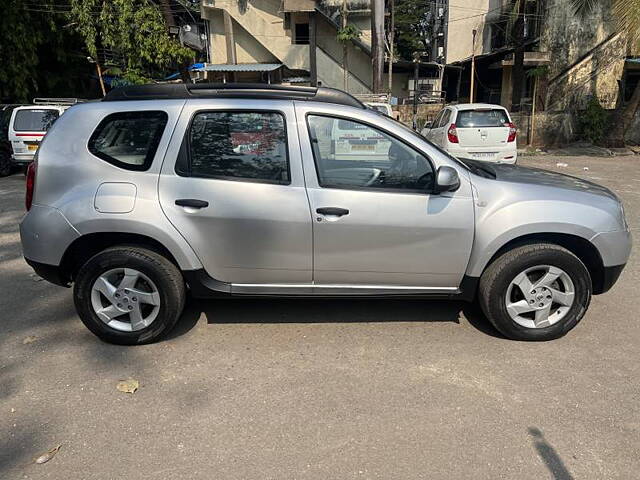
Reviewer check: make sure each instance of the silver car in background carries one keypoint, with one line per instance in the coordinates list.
(246, 191)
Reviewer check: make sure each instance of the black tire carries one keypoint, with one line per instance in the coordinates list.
(497, 277)
(157, 268)
(5, 165)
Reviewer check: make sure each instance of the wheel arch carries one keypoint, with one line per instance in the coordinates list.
(579, 246)
(86, 246)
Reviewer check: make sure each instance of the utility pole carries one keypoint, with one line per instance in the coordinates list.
(392, 27)
(517, 74)
(377, 43)
(474, 32)
(416, 75)
(345, 48)
(313, 64)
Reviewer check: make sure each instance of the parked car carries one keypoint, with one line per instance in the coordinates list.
(478, 131)
(383, 108)
(159, 190)
(29, 123)
(5, 144)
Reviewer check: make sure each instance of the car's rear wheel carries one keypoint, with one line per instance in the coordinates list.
(129, 295)
(535, 292)
(5, 164)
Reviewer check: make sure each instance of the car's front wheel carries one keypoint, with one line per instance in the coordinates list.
(129, 295)
(535, 292)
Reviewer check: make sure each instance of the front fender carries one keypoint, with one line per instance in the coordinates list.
(499, 224)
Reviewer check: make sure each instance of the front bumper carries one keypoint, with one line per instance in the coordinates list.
(609, 278)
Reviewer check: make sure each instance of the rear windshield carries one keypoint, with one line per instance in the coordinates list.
(482, 118)
(34, 120)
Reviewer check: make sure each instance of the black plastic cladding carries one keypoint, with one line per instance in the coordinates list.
(231, 90)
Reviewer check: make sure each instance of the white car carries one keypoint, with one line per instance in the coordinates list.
(29, 124)
(478, 131)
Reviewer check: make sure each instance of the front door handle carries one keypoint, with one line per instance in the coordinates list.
(335, 211)
(192, 202)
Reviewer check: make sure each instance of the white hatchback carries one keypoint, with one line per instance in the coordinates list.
(477, 131)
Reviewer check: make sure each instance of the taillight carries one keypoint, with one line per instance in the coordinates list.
(31, 184)
(513, 131)
(452, 133)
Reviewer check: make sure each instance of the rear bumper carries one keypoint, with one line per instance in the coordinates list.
(503, 155)
(22, 158)
(51, 273)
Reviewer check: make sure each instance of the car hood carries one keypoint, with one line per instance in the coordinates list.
(537, 176)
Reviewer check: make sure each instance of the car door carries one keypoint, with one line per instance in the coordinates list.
(434, 126)
(377, 226)
(232, 185)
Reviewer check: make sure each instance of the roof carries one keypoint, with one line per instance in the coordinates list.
(166, 91)
(473, 106)
(241, 67)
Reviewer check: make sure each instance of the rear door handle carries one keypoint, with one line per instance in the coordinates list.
(192, 202)
(336, 211)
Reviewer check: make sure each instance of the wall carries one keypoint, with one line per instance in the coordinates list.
(585, 59)
(463, 17)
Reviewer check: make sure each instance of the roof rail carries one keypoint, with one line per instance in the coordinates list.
(166, 91)
(57, 101)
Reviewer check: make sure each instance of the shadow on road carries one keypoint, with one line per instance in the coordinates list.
(549, 455)
(341, 310)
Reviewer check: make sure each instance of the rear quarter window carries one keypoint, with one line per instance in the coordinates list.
(482, 118)
(129, 140)
(35, 120)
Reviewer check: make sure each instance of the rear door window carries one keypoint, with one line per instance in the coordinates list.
(129, 140)
(35, 120)
(482, 118)
(242, 146)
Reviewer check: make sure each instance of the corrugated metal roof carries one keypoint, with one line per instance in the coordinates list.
(242, 67)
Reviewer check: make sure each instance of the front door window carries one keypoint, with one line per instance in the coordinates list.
(354, 155)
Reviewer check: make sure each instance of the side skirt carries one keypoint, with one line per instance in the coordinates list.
(202, 285)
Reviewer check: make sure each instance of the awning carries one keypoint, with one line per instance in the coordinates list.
(241, 67)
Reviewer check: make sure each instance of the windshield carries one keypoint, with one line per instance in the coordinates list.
(34, 120)
(482, 118)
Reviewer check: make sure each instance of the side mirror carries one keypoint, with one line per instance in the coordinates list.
(428, 124)
(447, 180)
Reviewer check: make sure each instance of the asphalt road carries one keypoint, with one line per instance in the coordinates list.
(320, 389)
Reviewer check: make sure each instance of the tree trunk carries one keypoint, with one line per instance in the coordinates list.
(622, 119)
(377, 43)
(517, 75)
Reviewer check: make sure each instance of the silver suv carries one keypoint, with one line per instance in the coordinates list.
(255, 190)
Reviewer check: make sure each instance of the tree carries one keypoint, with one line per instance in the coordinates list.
(412, 27)
(627, 17)
(38, 55)
(136, 33)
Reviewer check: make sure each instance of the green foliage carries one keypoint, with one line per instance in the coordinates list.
(134, 30)
(594, 121)
(348, 33)
(31, 38)
(412, 28)
(538, 72)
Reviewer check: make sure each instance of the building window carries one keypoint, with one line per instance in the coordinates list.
(301, 34)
